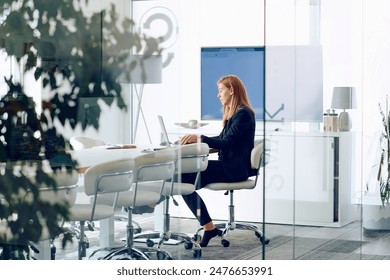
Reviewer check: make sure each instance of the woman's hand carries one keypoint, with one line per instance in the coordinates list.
(189, 139)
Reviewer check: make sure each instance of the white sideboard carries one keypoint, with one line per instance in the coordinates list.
(307, 181)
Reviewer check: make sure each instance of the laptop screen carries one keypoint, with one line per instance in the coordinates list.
(164, 132)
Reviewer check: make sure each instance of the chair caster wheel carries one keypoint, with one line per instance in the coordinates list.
(197, 254)
(197, 237)
(188, 245)
(264, 241)
(160, 256)
(149, 243)
(163, 256)
(225, 243)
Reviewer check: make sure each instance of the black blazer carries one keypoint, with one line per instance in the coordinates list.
(235, 144)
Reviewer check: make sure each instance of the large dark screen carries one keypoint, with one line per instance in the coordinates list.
(245, 62)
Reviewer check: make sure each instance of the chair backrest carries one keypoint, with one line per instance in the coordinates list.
(260, 153)
(65, 190)
(55, 186)
(109, 177)
(82, 142)
(157, 165)
(192, 158)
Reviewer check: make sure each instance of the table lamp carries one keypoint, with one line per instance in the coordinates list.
(344, 98)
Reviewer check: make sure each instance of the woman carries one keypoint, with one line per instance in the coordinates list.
(234, 145)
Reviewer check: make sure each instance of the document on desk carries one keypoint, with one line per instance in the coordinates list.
(126, 146)
(153, 149)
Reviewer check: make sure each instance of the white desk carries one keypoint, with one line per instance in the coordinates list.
(92, 156)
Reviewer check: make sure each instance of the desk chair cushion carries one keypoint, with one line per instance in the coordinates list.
(125, 199)
(178, 188)
(82, 212)
(248, 184)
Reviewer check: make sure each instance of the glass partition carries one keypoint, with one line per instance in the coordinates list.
(312, 180)
(320, 93)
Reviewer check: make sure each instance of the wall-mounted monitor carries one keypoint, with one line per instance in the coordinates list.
(245, 62)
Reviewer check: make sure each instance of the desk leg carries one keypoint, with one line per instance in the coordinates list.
(44, 250)
(106, 235)
(159, 217)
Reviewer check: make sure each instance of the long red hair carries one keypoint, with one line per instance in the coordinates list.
(239, 98)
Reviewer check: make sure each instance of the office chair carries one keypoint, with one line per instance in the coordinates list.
(259, 157)
(79, 143)
(156, 168)
(58, 189)
(191, 158)
(108, 177)
(64, 194)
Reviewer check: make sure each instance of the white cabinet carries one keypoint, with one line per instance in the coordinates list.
(309, 178)
(307, 181)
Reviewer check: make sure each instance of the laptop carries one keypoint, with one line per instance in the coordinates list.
(165, 137)
(165, 140)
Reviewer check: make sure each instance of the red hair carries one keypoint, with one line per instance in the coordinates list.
(239, 98)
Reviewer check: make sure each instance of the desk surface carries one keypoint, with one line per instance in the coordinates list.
(92, 156)
(100, 154)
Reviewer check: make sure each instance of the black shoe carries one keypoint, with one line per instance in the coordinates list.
(208, 234)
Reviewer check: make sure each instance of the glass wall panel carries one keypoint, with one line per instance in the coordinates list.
(374, 138)
(318, 195)
(312, 187)
(185, 30)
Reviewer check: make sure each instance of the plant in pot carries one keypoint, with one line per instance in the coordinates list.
(73, 54)
(376, 210)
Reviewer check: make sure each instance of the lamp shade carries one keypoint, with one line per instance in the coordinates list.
(344, 98)
(141, 69)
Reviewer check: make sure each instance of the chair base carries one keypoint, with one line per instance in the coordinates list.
(134, 253)
(166, 234)
(189, 242)
(229, 226)
(129, 251)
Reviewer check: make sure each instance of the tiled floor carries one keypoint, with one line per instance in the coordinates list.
(286, 242)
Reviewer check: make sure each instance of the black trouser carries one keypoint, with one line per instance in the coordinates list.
(212, 174)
